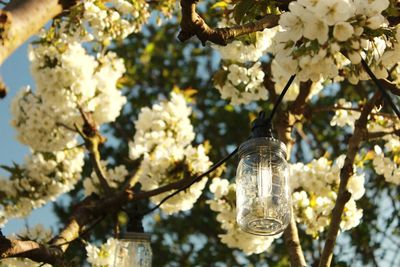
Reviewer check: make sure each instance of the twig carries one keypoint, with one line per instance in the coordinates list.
(92, 140)
(98, 168)
(381, 88)
(334, 108)
(92, 145)
(66, 126)
(343, 196)
(132, 179)
(378, 135)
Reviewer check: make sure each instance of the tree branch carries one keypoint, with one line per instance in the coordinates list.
(284, 125)
(293, 244)
(379, 135)
(10, 248)
(317, 109)
(20, 19)
(193, 25)
(391, 86)
(299, 104)
(92, 140)
(360, 133)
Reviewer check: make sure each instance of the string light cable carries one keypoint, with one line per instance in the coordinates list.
(380, 87)
(261, 127)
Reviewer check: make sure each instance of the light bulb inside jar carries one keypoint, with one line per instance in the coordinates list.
(264, 180)
(262, 190)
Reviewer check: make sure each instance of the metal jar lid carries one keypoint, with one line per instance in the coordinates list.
(262, 142)
(136, 236)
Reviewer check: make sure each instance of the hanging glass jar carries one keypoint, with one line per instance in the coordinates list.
(133, 250)
(263, 197)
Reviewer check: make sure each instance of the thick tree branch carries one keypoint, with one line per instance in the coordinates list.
(20, 19)
(284, 124)
(360, 133)
(10, 248)
(293, 244)
(299, 104)
(193, 25)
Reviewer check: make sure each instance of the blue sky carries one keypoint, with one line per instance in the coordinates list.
(16, 74)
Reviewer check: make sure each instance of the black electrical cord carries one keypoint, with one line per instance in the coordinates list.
(280, 98)
(226, 158)
(267, 123)
(380, 87)
(198, 178)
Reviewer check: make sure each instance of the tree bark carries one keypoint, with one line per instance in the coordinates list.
(360, 134)
(20, 19)
(284, 124)
(193, 25)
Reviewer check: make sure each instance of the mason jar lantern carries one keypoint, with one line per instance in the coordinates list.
(263, 197)
(133, 248)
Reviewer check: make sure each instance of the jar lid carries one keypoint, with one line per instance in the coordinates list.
(136, 236)
(262, 142)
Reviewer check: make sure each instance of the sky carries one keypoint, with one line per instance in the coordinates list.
(16, 74)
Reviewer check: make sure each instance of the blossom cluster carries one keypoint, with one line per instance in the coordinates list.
(319, 41)
(241, 78)
(318, 38)
(388, 166)
(244, 51)
(102, 256)
(243, 84)
(314, 195)
(344, 116)
(224, 203)
(102, 21)
(280, 77)
(114, 19)
(114, 177)
(42, 178)
(163, 139)
(68, 80)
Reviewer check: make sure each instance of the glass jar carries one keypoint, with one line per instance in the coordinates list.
(133, 250)
(263, 197)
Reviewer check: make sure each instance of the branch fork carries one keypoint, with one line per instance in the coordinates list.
(192, 24)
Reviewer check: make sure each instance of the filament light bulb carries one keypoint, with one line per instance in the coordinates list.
(263, 199)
